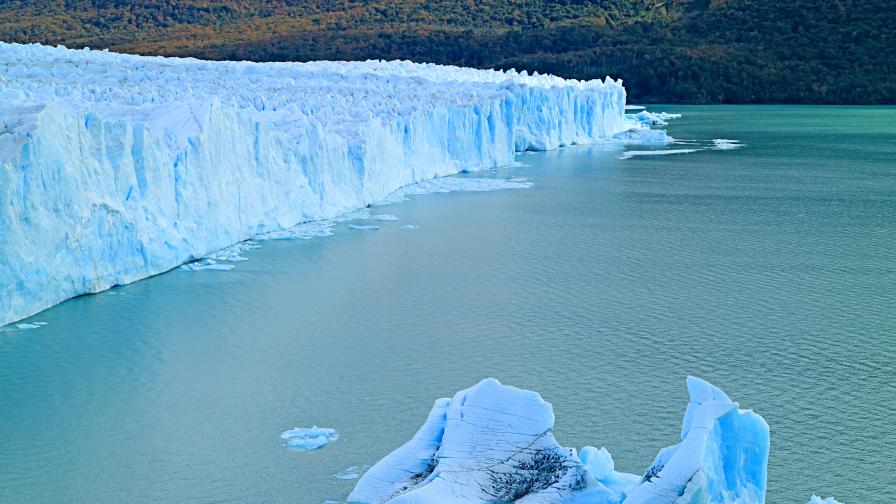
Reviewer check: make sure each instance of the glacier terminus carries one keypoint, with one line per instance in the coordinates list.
(116, 167)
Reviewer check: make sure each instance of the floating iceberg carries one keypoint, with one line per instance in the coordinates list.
(818, 500)
(116, 167)
(308, 439)
(493, 443)
(33, 325)
(725, 144)
(654, 118)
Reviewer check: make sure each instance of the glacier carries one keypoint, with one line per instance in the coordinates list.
(116, 167)
(494, 443)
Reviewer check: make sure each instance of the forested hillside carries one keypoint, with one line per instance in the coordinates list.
(736, 51)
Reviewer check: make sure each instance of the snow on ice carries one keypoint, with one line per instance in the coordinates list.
(494, 443)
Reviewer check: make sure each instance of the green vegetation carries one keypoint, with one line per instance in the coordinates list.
(734, 51)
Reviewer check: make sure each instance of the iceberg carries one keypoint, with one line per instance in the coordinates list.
(116, 167)
(308, 439)
(494, 443)
(818, 500)
(654, 118)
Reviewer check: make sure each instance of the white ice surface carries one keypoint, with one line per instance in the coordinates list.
(818, 500)
(654, 118)
(308, 438)
(493, 443)
(117, 167)
(726, 144)
(350, 473)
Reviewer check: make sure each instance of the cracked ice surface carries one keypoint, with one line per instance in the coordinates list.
(116, 167)
(493, 443)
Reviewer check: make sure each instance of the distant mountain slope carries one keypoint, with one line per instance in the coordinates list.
(738, 51)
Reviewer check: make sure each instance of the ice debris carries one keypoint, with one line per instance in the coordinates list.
(456, 184)
(726, 144)
(494, 443)
(206, 265)
(654, 118)
(363, 227)
(350, 473)
(30, 325)
(633, 153)
(308, 439)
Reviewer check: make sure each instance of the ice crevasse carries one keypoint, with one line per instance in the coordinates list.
(116, 167)
(494, 443)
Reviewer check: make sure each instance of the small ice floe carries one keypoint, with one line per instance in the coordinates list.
(409, 226)
(456, 184)
(654, 118)
(385, 217)
(631, 154)
(361, 227)
(362, 214)
(303, 231)
(30, 325)
(644, 136)
(234, 253)
(725, 144)
(818, 500)
(635, 107)
(308, 439)
(206, 265)
(350, 473)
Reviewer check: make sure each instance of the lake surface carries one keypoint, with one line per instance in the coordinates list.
(769, 270)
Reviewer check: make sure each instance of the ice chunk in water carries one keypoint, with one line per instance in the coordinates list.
(818, 500)
(308, 439)
(631, 154)
(360, 227)
(725, 144)
(350, 473)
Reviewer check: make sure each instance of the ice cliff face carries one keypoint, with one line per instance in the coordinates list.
(116, 167)
(493, 443)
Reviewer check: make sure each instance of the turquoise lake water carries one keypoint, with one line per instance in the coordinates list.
(769, 270)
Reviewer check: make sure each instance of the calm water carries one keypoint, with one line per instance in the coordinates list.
(769, 270)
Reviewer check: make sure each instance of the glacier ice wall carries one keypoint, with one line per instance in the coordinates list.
(116, 167)
(494, 443)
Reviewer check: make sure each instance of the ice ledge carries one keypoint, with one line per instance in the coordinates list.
(493, 443)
